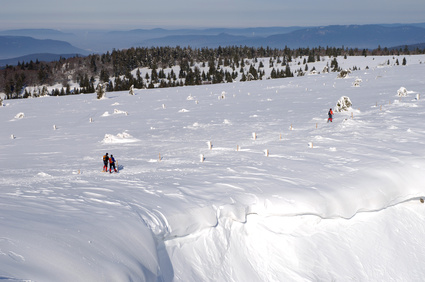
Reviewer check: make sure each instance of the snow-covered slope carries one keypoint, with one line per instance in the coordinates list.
(229, 182)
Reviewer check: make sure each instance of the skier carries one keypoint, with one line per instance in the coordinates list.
(112, 164)
(105, 162)
(330, 114)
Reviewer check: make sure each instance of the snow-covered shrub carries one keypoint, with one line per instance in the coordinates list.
(343, 104)
(357, 82)
(44, 91)
(325, 69)
(190, 97)
(343, 73)
(100, 91)
(402, 92)
(1, 102)
(131, 90)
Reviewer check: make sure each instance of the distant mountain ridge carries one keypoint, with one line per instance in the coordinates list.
(352, 36)
(43, 32)
(17, 46)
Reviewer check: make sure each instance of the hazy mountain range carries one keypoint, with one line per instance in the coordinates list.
(14, 44)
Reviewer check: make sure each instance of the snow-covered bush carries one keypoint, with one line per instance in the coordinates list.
(100, 91)
(343, 73)
(343, 104)
(44, 91)
(131, 90)
(402, 92)
(357, 82)
(1, 102)
(325, 69)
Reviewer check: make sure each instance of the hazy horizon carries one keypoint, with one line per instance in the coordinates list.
(106, 15)
(91, 29)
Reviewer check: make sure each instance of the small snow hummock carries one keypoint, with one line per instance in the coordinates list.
(119, 138)
(19, 116)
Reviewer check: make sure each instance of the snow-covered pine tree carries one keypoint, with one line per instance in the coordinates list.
(100, 91)
(44, 91)
(343, 104)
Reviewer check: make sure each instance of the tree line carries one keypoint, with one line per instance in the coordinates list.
(114, 69)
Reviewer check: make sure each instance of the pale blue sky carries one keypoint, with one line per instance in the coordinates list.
(130, 14)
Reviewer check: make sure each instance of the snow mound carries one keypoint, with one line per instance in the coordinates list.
(116, 112)
(19, 116)
(43, 174)
(183, 111)
(119, 138)
(120, 112)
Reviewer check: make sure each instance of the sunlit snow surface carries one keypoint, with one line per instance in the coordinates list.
(197, 197)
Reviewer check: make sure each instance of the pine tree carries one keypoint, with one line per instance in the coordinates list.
(100, 91)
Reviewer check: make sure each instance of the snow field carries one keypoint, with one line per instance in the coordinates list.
(331, 201)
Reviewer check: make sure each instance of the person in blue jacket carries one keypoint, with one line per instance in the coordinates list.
(112, 164)
(330, 114)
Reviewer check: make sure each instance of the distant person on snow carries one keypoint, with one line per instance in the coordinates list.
(112, 164)
(105, 162)
(330, 114)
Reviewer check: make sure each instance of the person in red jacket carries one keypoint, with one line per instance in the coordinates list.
(105, 162)
(330, 114)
